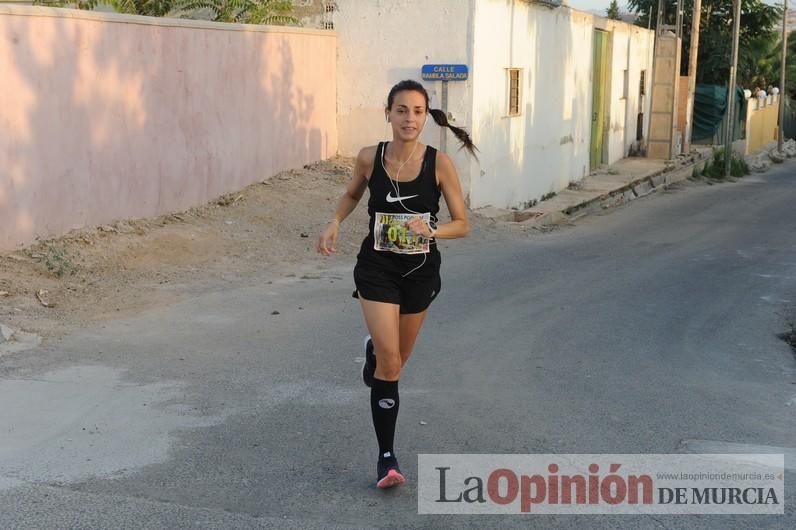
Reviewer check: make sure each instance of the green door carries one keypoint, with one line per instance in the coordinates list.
(599, 66)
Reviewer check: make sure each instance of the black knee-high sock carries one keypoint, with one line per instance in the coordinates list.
(384, 407)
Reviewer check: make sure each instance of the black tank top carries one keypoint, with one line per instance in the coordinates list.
(419, 195)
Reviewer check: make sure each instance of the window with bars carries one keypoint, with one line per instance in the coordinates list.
(514, 93)
(329, 7)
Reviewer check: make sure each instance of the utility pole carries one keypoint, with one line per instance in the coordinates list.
(781, 132)
(692, 72)
(736, 30)
(658, 20)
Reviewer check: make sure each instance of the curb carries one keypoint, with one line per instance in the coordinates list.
(640, 187)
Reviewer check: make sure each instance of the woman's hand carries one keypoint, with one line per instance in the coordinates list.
(327, 241)
(419, 227)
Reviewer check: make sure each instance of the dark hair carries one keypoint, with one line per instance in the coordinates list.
(439, 116)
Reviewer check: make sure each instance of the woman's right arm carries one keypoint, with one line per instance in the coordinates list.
(327, 241)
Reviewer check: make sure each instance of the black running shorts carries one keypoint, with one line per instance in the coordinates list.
(414, 293)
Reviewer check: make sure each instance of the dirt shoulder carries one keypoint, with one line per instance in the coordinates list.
(268, 229)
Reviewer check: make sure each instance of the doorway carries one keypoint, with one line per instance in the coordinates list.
(599, 71)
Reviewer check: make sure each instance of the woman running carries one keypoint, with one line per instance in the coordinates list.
(397, 270)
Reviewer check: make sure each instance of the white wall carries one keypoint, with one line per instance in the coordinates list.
(381, 42)
(547, 146)
(632, 50)
(521, 158)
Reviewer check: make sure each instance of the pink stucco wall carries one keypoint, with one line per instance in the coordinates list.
(106, 117)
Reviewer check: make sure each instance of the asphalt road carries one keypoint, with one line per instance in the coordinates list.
(650, 329)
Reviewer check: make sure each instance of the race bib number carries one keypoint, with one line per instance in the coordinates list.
(391, 234)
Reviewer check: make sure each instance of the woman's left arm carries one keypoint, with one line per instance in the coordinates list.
(452, 191)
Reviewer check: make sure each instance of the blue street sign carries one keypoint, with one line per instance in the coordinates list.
(444, 72)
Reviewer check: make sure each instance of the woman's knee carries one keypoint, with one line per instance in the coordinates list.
(388, 363)
(388, 373)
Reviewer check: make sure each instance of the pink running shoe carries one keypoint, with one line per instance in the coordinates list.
(389, 474)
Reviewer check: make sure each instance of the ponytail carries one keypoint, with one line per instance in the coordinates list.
(442, 120)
